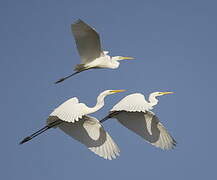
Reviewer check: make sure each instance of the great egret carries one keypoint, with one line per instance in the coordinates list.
(89, 47)
(65, 117)
(134, 112)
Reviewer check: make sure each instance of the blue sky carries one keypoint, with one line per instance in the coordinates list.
(174, 43)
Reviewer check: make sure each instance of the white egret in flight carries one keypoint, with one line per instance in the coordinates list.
(134, 112)
(87, 130)
(90, 50)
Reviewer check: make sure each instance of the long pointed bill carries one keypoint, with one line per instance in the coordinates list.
(126, 58)
(117, 91)
(163, 93)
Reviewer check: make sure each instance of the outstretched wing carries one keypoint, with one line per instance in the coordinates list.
(132, 103)
(87, 41)
(91, 133)
(70, 111)
(147, 126)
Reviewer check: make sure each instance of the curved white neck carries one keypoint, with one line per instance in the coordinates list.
(152, 100)
(99, 103)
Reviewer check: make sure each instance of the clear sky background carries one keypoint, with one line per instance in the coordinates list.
(175, 46)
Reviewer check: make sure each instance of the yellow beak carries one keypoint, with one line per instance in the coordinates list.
(117, 91)
(163, 93)
(123, 58)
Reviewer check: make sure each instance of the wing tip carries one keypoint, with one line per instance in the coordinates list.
(106, 153)
(77, 22)
(174, 143)
(171, 146)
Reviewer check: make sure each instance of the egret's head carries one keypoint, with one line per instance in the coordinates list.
(155, 94)
(115, 61)
(152, 98)
(119, 58)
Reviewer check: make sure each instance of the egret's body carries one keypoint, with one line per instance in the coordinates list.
(105, 61)
(134, 112)
(90, 50)
(66, 116)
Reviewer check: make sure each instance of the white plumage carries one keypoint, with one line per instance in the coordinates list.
(133, 112)
(90, 50)
(71, 117)
(91, 133)
(132, 103)
(71, 110)
(87, 41)
(147, 126)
